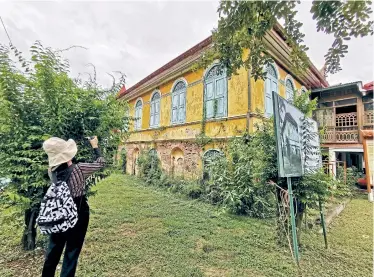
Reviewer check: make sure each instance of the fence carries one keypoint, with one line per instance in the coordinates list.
(337, 169)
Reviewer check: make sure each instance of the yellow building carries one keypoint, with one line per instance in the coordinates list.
(168, 105)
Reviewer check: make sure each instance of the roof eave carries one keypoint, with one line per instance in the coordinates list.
(312, 76)
(354, 85)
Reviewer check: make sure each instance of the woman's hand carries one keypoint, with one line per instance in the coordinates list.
(94, 142)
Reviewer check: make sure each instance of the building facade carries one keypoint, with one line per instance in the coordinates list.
(168, 106)
(343, 111)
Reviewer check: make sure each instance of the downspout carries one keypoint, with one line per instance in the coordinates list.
(249, 99)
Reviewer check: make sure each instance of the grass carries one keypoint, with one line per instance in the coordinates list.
(137, 230)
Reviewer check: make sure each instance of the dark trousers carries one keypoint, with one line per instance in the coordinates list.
(73, 240)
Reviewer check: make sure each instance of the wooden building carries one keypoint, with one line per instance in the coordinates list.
(343, 111)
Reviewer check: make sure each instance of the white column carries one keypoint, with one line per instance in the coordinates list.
(332, 160)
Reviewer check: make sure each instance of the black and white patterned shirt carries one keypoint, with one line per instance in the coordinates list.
(80, 173)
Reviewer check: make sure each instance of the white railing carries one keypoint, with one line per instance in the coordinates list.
(348, 134)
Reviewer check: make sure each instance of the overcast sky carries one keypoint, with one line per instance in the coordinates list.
(139, 37)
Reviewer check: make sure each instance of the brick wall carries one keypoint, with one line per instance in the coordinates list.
(188, 166)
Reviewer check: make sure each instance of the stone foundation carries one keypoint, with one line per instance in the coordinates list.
(183, 158)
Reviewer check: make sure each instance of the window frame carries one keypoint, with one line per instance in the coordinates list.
(179, 92)
(291, 80)
(220, 153)
(138, 120)
(303, 90)
(215, 97)
(272, 80)
(152, 112)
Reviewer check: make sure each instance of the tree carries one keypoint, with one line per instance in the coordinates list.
(243, 181)
(243, 25)
(38, 100)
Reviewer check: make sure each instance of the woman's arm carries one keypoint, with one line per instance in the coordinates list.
(89, 168)
(50, 173)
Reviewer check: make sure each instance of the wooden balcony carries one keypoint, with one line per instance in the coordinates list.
(349, 134)
(368, 120)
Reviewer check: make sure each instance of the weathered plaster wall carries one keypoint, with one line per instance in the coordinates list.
(215, 129)
(257, 96)
(187, 159)
(237, 106)
(258, 90)
(238, 93)
(189, 152)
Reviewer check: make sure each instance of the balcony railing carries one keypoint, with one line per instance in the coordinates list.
(368, 118)
(348, 134)
(346, 119)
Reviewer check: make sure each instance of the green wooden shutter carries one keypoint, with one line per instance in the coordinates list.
(209, 100)
(157, 113)
(181, 106)
(220, 93)
(174, 111)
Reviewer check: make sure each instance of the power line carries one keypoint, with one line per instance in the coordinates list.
(6, 30)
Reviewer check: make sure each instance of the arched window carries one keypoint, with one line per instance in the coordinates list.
(215, 96)
(208, 158)
(177, 162)
(154, 161)
(153, 152)
(178, 109)
(290, 89)
(271, 84)
(155, 110)
(135, 157)
(138, 115)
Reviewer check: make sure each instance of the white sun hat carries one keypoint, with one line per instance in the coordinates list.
(59, 151)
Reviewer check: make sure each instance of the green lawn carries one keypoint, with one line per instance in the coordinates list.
(137, 230)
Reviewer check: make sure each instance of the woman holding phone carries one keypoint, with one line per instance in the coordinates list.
(60, 154)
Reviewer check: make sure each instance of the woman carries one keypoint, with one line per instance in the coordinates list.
(60, 154)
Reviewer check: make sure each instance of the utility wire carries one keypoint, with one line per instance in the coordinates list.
(6, 30)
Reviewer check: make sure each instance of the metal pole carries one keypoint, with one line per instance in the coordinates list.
(293, 221)
(323, 222)
(345, 173)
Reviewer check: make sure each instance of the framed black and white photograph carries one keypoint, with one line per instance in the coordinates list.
(297, 138)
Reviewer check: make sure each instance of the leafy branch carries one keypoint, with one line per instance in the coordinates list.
(243, 25)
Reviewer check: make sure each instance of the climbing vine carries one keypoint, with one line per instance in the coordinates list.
(202, 139)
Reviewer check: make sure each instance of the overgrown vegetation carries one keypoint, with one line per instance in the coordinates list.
(345, 182)
(38, 99)
(244, 24)
(150, 171)
(239, 181)
(242, 181)
(137, 230)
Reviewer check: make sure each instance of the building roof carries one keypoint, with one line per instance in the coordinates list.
(288, 118)
(122, 91)
(354, 86)
(369, 86)
(193, 52)
(206, 42)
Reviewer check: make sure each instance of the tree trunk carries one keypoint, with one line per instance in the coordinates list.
(299, 219)
(29, 233)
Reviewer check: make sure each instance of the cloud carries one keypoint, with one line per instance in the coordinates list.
(139, 37)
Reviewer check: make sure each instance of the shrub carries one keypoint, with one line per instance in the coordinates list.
(192, 189)
(38, 99)
(240, 181)
(344, 185)
(149, 167)
(314, 187)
